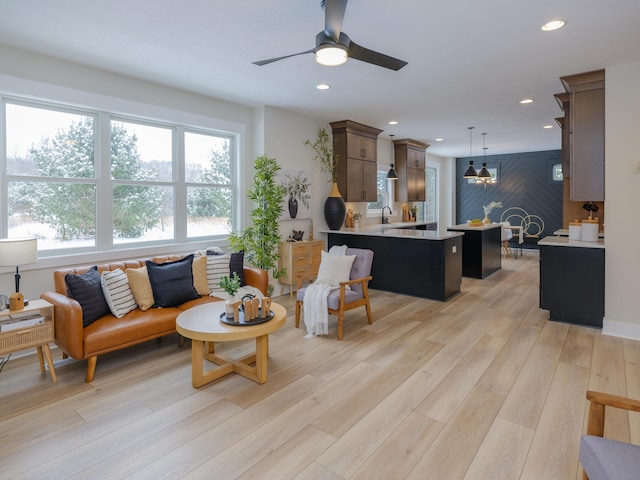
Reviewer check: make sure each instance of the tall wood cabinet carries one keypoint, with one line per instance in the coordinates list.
(410, 163)
(301, 259)
(586, 135)
(357, 148)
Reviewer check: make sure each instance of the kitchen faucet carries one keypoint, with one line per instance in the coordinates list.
(386, 219)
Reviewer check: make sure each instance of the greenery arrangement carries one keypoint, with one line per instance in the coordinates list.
(230, 285)
(325, 154)
(297, 187)
(357, 216)
(260, 241)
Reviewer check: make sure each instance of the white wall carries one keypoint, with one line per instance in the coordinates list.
(446, 192)
(622, 186)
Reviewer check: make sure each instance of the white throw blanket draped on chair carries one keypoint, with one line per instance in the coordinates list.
(316, 315)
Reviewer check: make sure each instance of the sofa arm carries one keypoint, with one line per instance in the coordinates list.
(256, 277)
(69, 334)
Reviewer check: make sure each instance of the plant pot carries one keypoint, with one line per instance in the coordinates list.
(334, 209)
(293, 207)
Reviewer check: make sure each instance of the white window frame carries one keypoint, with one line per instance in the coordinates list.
(104, 235)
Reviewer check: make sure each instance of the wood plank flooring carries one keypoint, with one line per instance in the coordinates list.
(480, 387)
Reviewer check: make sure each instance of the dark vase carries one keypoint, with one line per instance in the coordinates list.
(334, 209)
(293, 207)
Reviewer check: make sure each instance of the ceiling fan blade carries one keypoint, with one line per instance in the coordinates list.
(363, 54)
(333, 17)
(271, 60)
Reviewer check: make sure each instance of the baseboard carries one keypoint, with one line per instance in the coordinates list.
(621, 329)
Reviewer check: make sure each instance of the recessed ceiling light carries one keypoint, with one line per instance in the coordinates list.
(526, 100)
(393, 122)
(439, 139)
(553, 25)
(323, 86)
(548, 126)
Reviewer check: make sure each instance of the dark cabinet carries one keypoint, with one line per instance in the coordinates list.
(572, 284)
(586, 135)
(410, 163)
(357, 148)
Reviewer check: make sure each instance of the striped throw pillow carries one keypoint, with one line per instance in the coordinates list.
(117, 292)
(217, 266)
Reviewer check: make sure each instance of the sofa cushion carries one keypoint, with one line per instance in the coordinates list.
(86, 289)
(200, 275)
(217, 266)
(172, 282)
(236, 264)
(117, 293)
(140, 287)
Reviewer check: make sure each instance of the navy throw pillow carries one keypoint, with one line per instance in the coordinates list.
(86, 289)
(172, 282)
(236, 264)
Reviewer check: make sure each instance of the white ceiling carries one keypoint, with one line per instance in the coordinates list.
(470, 62)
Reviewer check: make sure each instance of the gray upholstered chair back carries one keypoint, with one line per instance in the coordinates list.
(361, 265)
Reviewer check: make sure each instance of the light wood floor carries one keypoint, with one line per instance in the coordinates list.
(482, 386)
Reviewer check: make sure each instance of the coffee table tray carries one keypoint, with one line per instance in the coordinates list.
(243, 323)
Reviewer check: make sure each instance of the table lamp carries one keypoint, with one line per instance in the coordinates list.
(18, 251)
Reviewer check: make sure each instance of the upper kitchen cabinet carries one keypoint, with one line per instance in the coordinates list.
(410, 164)
(357, 148)
(586, 135)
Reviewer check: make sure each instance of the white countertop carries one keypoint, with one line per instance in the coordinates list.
(565, 242)
(564, 232)
(396, 230)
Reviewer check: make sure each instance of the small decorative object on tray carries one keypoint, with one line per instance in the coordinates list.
(476, 222)
(249, 311)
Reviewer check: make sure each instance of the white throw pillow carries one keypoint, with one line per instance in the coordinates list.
(117, 293)
(217, 266)
(334, 268)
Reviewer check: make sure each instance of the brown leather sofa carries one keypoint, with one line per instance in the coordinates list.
(110, 333)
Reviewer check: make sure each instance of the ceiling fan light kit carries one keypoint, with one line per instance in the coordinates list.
(334, 47)
(331, 55)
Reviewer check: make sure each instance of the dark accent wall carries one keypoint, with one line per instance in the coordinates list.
(524, 180)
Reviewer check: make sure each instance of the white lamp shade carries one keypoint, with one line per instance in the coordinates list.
(18, 251)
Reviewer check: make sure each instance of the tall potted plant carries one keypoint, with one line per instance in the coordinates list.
(261, 240)
(334, 207)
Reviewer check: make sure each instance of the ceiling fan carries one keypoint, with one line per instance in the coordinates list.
(333, 46)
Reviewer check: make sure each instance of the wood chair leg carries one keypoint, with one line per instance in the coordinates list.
(91, 368)
(298, 305)
(340, 324)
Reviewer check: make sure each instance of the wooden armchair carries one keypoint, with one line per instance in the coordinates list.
(603, 458)
(343, 299)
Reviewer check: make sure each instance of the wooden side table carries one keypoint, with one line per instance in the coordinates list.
(38, 336)
(302, 261)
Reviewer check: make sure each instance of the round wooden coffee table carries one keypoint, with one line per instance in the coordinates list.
(203, 326)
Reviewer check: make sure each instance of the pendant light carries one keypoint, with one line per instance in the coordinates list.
(470, 172)
(392, 174)
(484, 174)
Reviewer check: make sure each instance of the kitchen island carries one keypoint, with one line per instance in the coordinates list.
(572, 280)
(481, 249)
(408, 260)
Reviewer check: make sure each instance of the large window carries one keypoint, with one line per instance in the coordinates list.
(89, 180)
